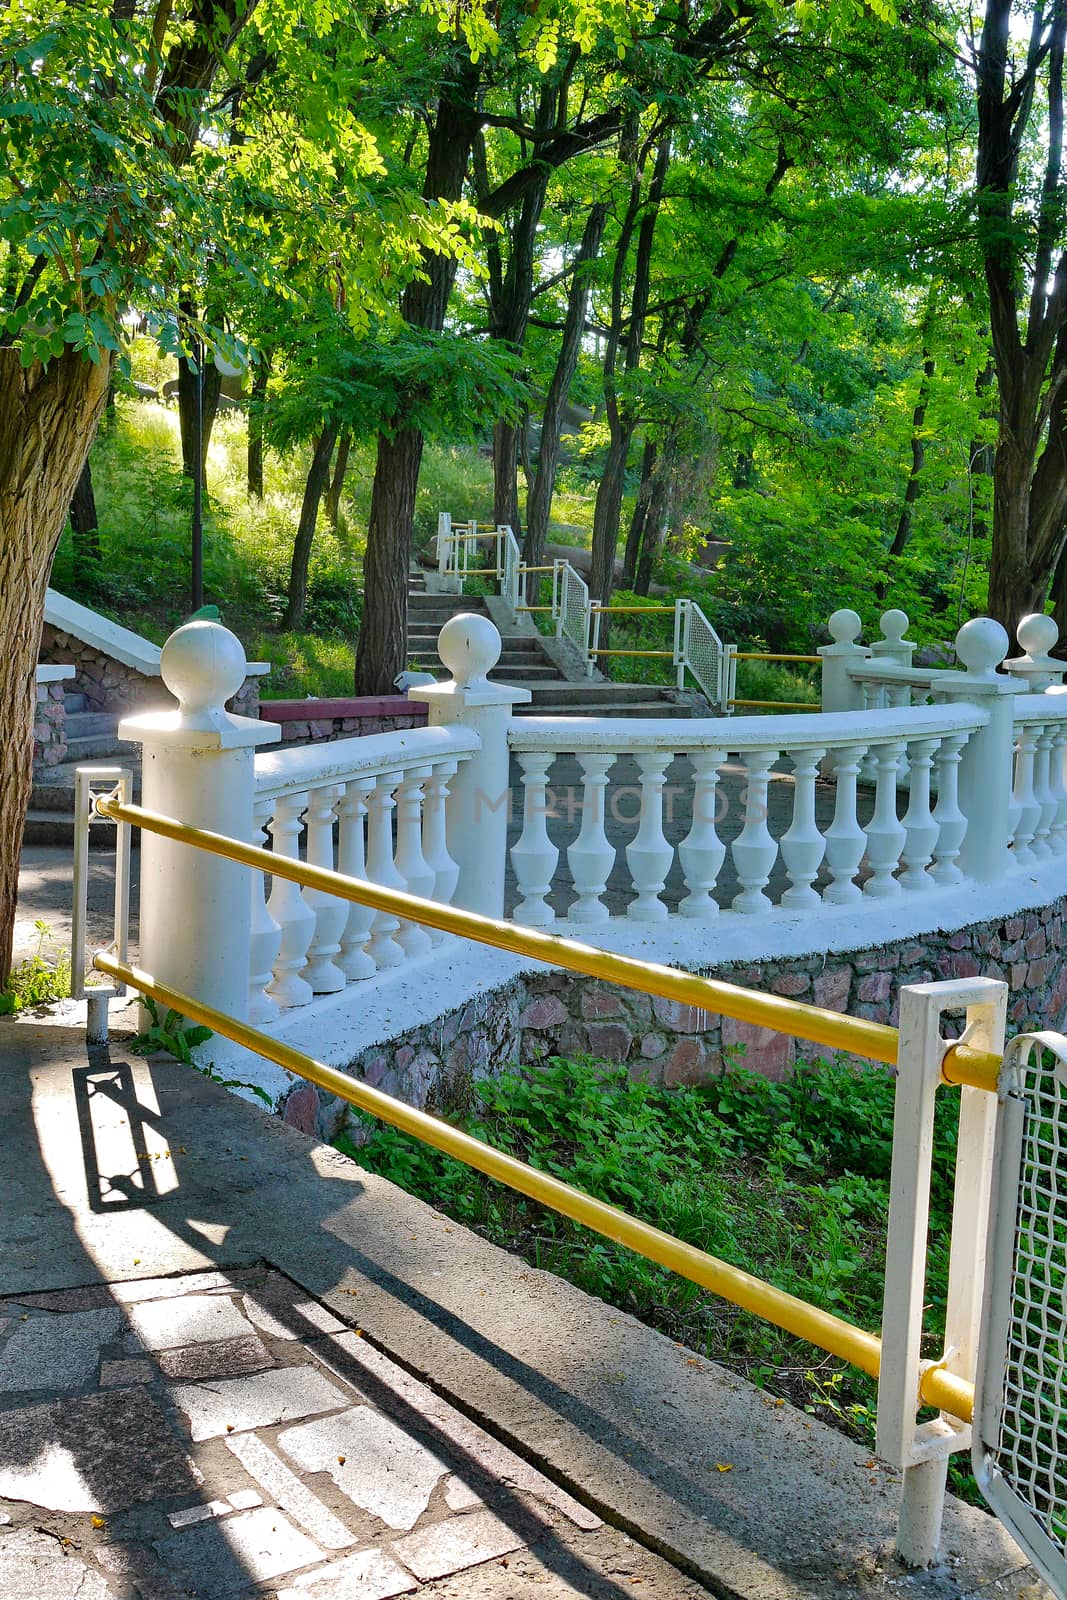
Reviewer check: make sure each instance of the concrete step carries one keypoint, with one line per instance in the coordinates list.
(73, 702)
(57, 828)
(98, 747)
(662, 709)
(89, 724)
(508, 658)
(515, 643)
(635, 694)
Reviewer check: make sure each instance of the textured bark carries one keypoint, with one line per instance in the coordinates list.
(255, 426)
(622, 423)
(657, 521)
(337, 482)
(639, 520)
(382, 649)
(47, 421)
(317, 479)
(83, 518)
(539, 504)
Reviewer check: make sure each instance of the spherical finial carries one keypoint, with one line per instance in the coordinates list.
(203, 664)
(894, 625)
(845, 627)
(981, 645)
(1037, 634)
(469, 646)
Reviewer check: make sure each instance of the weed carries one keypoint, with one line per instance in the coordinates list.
(174, 1035)
(40, 979)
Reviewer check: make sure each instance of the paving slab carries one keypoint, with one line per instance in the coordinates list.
(56, 1353)
(233, 1404)
(225, 1558)
(507, 1378)
(379, 1466)
(190, 1319)
(290, 1492)
(215, 1359)
(37, 1566)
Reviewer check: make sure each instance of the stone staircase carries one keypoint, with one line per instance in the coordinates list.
(92, 736)
(524, 660)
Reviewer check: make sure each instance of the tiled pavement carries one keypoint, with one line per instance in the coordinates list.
(221, 1435)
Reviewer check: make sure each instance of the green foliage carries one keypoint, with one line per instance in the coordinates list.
(789, 1181)
(170, 1033)
(40, 979)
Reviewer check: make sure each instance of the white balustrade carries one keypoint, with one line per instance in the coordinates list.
(951, 823)
(702, 852)
(649, 856)
(356, 963)
(592, 856)
(435, 838)
(754, 851)
(415, 872)
(845, 839)
(384, 947)
(1039, 795)
(803, 846)
(331, 914)
(1025, 799)
(885, 834)
(534, 856)
(920, 828)
(266, 937)
(288, 907)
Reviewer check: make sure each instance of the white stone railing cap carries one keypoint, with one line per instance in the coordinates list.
(469, 647)
(363, 756)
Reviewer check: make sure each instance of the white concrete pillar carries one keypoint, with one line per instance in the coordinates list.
(1038, 668)
(986, 765)
(479, 799)
(839, 692)
(197, 766)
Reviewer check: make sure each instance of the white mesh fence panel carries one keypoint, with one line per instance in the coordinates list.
(574, 608)
(703, 653)
(1020, 1444)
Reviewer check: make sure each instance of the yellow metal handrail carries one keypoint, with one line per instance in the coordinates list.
(876, 1041)
(822, 1328)
(766, 655)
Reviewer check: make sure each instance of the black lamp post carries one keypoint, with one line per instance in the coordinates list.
(198, 479)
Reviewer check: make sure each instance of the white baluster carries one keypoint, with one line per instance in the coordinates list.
(1046, 812)
(845, 839)
(411, 864)
(288, 908)
(873, 700)
(355, 963)
(702, 852)
(591, 857)
(331, 914)
(1058, 786)
(885, 836)
(898, 694)
(435, 838)
(648, 855)
(383, 947)
(754, 852)
(919, 826)
(1023, 793)
(533, 856)
(802, 845)
(951, 823)
(266, 936)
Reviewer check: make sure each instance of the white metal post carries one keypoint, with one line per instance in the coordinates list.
(923, 1451)
(681, 639)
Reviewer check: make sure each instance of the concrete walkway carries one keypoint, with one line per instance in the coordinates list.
(232, 1364)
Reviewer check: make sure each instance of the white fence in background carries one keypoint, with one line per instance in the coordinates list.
(467, 549)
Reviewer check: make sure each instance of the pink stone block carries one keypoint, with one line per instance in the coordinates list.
(832, 988)
(302, 1108)
(769, 1053)
(600, 1003)
(609, 1040)
(547, 1012)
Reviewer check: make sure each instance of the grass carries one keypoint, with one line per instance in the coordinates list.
(789, 1181)
(44, 977)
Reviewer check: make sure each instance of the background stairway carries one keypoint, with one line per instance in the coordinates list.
(92, 736)
(523, 660)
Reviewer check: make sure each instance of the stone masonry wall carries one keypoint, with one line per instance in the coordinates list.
(561, 1013)
(49, 726)
(309, 722)
(107, 685)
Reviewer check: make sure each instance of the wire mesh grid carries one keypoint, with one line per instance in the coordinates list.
(1030, 1452)
(574, 608)
(703, 653)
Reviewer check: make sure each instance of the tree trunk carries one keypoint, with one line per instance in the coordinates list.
(317, 478)
(914, 484)
(539, 504)
(337, 482)
(639, 520)
(657, 521)
(382, 648)
(47, 421)
(255, 426)
(83, 520)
